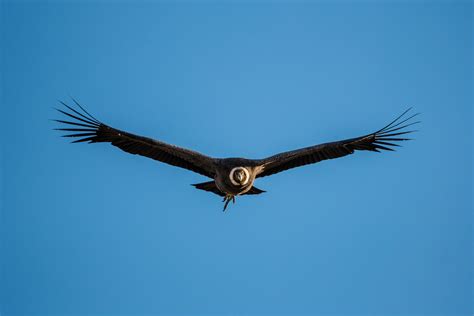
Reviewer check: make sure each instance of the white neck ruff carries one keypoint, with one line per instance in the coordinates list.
(247, 176)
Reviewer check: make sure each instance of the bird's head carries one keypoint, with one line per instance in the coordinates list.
(239, 176)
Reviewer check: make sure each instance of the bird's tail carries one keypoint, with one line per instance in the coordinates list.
(212, 187)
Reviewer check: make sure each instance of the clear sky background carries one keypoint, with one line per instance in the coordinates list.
(88, 229)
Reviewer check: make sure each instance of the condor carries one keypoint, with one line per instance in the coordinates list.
(231, 177)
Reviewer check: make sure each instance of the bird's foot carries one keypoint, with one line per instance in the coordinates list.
(227, 199)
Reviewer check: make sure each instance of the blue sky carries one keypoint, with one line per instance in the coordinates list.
(88, 229)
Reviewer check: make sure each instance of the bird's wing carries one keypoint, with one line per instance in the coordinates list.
(383, 139)
(88, 129)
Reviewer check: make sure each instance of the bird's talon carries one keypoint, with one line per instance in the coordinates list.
(227, 200)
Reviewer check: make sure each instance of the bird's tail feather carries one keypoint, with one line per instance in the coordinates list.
(212, 187)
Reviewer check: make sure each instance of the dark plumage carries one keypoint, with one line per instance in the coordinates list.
(231, 176)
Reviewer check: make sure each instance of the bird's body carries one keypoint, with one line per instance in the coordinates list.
(230, 176)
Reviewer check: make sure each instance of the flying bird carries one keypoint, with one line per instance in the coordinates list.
(231, 177)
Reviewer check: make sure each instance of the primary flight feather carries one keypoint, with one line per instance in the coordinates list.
(231, 176)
